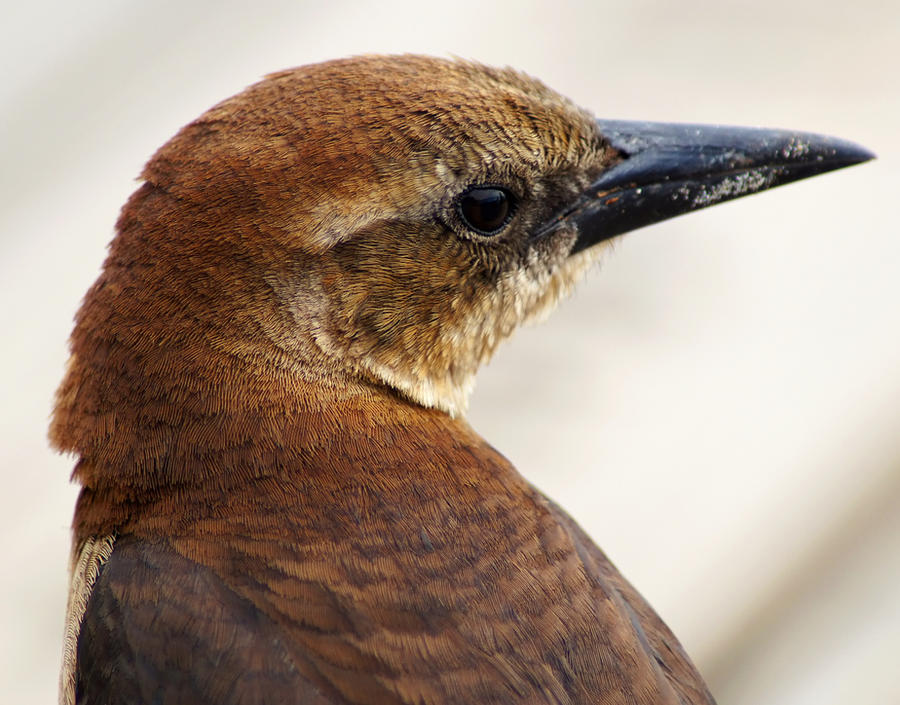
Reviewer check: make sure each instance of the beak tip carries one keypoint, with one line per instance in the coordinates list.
(856, 154)
(834, 152)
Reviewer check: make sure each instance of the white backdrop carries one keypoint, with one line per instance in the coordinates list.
(718, 406)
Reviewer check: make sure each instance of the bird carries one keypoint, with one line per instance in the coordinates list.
(280, 498)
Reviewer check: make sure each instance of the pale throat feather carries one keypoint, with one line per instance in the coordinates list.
(523, 296)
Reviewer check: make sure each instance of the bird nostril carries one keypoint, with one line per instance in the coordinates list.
(486, 209)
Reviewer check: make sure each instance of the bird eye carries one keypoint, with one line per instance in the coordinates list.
(486, 209)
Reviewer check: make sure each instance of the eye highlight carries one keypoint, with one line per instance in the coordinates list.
(486, 209)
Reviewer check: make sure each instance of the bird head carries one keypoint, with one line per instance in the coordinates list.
(379, 222)
(391, 205)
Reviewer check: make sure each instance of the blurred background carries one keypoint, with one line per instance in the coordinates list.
(718, 406)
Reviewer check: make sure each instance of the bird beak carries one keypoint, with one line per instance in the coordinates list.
(671, 169)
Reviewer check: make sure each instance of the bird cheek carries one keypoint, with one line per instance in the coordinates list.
(546, 275)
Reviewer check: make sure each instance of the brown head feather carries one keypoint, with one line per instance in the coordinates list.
(298, 245)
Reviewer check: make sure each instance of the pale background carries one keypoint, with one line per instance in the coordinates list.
(718, 406)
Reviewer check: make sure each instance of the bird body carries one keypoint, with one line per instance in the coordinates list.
(281, 501)
(395, 558)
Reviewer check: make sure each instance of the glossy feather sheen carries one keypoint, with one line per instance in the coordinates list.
(264, 399)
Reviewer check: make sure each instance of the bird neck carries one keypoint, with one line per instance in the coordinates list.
(213, 421)
(299, 446)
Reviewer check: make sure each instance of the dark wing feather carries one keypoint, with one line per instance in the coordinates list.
(162, 630)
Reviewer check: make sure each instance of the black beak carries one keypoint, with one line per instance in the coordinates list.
(671, 169)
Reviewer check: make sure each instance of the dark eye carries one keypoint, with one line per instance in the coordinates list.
(486, 209)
